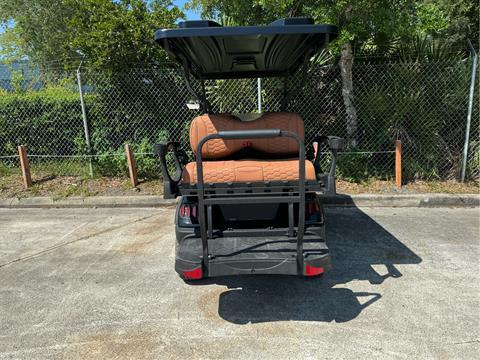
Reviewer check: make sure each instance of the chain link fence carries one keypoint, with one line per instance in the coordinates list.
(423, 104)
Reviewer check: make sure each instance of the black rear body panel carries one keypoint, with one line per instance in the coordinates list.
(251, 239)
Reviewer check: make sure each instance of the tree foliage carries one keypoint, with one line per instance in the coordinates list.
(117, 34)
(370, 23)
(110, 34)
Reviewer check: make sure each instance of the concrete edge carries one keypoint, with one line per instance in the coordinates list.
(404, 200)
(87, 202)
(341, 200)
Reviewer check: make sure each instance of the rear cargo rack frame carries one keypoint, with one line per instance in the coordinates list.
(206, 200)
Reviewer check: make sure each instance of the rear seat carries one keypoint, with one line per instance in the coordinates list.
(219, 169)
(247, 171)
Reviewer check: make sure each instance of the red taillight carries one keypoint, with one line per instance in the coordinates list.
(194, 274)
(312, 270)
(188, 211)
(185, 211)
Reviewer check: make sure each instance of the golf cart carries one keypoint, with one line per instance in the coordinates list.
(250, 201)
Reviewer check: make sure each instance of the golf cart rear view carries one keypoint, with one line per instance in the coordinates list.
(251, 196)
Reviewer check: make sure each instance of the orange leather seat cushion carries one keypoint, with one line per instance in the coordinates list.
(208, 124)
(247, 171)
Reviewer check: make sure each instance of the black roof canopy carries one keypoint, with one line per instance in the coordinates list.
(211, 51)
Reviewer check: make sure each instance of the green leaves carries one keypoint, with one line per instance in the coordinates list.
(361, 22)
(113, 35)
(119, 35)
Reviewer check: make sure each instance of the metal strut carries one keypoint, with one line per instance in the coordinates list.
(201, 97)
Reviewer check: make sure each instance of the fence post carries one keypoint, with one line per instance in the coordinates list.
(469, 114)
(259, 95)
(25, 165)
(85, 122)
(132, 166)
(398, 163)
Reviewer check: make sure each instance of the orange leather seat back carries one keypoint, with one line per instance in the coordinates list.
(208, 124)
(248, 171)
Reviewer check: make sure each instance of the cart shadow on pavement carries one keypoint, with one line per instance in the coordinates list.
(357, 244)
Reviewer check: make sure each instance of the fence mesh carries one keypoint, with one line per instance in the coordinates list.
(423, 104)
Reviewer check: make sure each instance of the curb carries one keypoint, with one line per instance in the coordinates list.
(403, 200)
(87, 202)
(362, 200)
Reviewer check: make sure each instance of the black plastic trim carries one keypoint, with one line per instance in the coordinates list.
(170, 184)
(245, 31)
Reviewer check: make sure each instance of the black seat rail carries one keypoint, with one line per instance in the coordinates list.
(205, 220)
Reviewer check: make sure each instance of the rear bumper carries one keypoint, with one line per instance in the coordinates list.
(194, 270)
(312, 267)
(251, 256)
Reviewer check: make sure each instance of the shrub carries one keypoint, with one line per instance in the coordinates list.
(46, 121)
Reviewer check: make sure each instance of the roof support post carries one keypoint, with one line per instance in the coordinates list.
(206, 108)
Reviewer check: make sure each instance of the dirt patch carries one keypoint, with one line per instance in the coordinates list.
(208, 304)
(145, 236)
(65, 186)
(114, 344)
(417, 187)
(141, 343)
(137, 246)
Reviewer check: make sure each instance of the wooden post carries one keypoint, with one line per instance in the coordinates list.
(398, 163)
(132, 166)
(27, 177)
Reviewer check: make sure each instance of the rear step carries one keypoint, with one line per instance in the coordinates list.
(252, 255)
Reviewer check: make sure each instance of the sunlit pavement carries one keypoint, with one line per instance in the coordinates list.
(99, 283)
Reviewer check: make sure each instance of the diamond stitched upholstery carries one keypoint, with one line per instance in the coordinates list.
(208, 124)
(224, 171)
(247, 171)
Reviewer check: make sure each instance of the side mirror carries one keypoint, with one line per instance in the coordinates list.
(336, 143)
(170, 184)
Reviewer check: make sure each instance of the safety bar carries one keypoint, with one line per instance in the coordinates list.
(249, 134)
(252, 134)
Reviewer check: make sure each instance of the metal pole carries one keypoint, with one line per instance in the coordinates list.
(470, 107)
(259, 95)
(85, 122)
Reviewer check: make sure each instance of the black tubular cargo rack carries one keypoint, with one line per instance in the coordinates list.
(207, 199)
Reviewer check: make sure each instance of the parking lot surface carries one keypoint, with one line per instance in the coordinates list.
(99, 283)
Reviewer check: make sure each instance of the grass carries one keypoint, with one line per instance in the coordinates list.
(11, 186)
(76, 190)
(51, 179)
